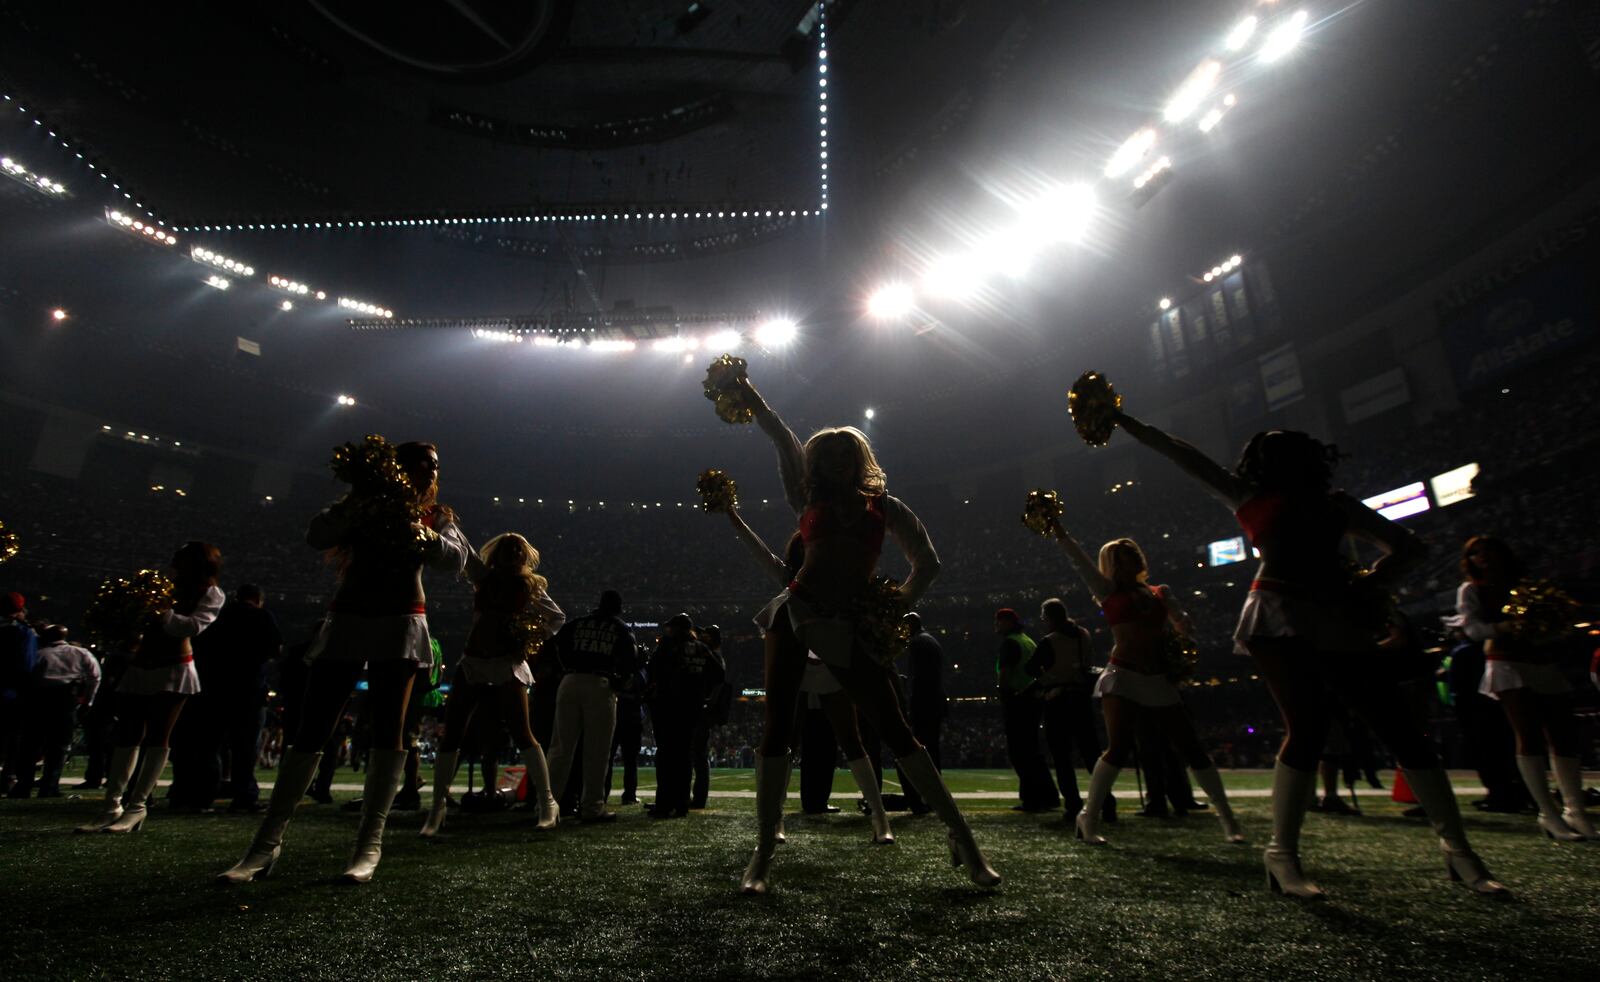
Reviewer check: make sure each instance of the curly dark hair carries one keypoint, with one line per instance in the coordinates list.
(1288, 460)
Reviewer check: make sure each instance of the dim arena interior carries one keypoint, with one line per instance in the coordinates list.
(796, 489)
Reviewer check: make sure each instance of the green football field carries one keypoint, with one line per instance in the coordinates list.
(646, 899)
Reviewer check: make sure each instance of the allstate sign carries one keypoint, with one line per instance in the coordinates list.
(1538, 314)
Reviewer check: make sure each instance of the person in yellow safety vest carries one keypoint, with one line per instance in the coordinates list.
(1023, 712)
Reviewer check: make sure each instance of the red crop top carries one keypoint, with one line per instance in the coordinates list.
(1130, 606)
(1313, 526)
(821, 522)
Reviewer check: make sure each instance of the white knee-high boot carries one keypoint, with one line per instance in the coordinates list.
(118, 773)
(444, 771)
(1291, 796)
(295, 773)
(1211, 783)
(385, 770)
(1550, 820)
(544, 803)
(152, 761)
(772, 782)
(1569, 778)
(1438, 799)
(1100, 781)
(920, 770)
(783, 803)
(867, 781)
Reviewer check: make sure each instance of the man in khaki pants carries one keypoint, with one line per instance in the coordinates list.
(596, 651)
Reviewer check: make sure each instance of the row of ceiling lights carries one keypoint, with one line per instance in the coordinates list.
(93, 168)
(822, 103)
(619, 216)
(1062, 214)
(774, 332)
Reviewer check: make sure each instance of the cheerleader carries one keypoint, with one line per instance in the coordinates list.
(837, 491)
(818, 681)
(159, 680)
(1536, 697)
(1307, 629)
(1135, 683)
(378, 618)
(495, 668)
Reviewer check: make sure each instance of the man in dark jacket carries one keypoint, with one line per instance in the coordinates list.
(231, 657)
(719, 706)
(683, 675)
(929, 704)
(1016, 675)
(628, 736)
(596, 650)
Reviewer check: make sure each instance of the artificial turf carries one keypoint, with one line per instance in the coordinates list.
(646, 899)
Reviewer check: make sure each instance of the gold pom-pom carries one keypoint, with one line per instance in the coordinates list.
(722, 388)
(381, 504)
(371, 467)
(1093, 404)
(9, 544)
(528, 632)
(1540, 612)
(120, 607)
(1179, 656)
(880, 620)
(1042, 513)
(718, 492)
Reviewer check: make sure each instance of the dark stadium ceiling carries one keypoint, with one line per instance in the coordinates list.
(275, 112)
(1398, 136)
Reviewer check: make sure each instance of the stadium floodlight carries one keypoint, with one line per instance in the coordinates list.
(1210, 120)
(1131, 152)
(347, 401)
(955, 277)
(292, 286)
(134, 226)
(361, 306)
(776, 332)
(1061, 214)
(207, 257)
(1194, 89)
(1165, 303)
(870, 413)
(220, 282)
(38, 182)
(1241, 33)
(1284, 37)
(286, 305)
(724, 340)
(1151, 172)
(58, 315)
(890, 301)
(1236, 260)
(1011, 252)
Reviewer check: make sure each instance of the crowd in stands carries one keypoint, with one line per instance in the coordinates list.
(1535, 439)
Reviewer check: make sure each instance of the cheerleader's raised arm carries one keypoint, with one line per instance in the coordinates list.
(902, 523)
(791, 456)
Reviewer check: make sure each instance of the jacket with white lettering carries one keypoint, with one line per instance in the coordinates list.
(598, 644)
